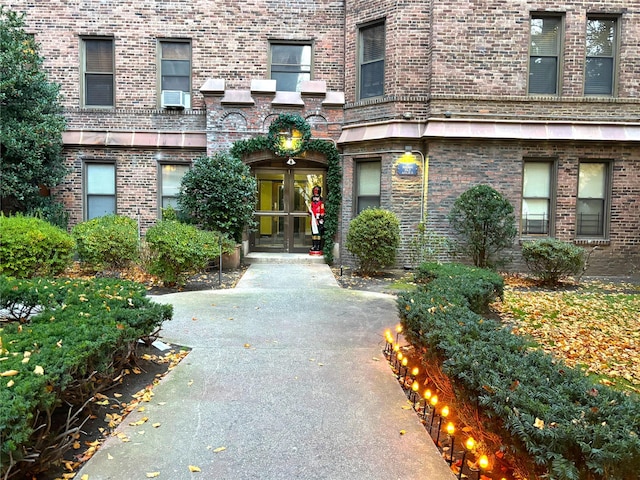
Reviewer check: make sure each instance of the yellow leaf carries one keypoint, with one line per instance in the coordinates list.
(153, 474)
(538, 423)
(219, 449)
(38, 370)
(402, 432)
(155, 425)
(247, 345)
(84, 477)
(10, 383)
(109, 456)
(193, 468)
(9, 373)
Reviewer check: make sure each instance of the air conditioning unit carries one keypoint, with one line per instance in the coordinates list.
(174, 99)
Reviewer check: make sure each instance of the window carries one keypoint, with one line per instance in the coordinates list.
(367, 185)
(371, 61)
(536, 197)
(290, 65)
(100, 189)
(600, 61)
(592, 199)
(98, 72)
(170, 180)
(175, 68)
(544, 55)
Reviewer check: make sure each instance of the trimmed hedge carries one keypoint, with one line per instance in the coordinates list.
(32, 247)
(110, 241)
(178, 250)
(550, 260)
(569, 425)
(83, 327)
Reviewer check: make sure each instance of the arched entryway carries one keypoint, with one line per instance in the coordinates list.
(282, 212)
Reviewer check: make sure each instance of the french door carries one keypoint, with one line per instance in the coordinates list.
(282, 212)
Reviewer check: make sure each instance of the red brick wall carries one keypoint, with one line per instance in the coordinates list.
(502, 164)
(230, 40)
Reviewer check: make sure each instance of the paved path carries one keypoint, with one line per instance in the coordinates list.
(287, 374)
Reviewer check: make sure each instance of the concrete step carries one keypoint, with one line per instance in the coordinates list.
(294, 258)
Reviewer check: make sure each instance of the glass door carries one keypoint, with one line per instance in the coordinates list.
(282, 213)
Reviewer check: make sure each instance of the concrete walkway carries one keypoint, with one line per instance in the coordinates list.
(287, 374)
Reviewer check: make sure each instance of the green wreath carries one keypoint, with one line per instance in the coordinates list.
(298, 130)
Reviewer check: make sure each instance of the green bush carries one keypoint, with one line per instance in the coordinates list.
(551, 260)
(177, 250)
(485, 225)
(476, 287)
(107, 242)
(219, 194)
(570, 426)
(82, 330)
(32, 247)
(374, 237)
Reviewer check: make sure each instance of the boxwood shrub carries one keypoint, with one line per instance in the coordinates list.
(569, 425)
(31, 247)
(178, 250)
(107, 242)
(58, 356)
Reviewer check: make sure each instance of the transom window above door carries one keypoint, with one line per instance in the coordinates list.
(290, 65)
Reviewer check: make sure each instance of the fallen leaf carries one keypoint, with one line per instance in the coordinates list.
(155, 425)
(219, 449)
(38, 370)
(109, 456)
(153, 474)
(402, 432)
(539, 423)
(9, 373)
(193, 468)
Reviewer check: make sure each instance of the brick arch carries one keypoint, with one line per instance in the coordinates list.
(234, 121)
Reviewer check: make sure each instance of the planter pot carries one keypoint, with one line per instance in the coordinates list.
(231, 261)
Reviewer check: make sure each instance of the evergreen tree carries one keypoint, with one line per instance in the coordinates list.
(31, 123)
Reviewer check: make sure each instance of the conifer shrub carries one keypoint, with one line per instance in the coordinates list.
(32, 247)
(108, 242)
(177, 250)
(550, 260)
(484, 223)
(80, 334)
(567, 424)
(374, 237)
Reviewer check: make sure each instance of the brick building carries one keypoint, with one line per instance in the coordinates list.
(423, 99)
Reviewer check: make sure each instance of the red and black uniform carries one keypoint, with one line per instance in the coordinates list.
(317, 221)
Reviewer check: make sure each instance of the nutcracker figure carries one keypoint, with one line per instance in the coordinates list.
(316, 210)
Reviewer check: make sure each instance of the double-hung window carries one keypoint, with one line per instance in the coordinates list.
(98, 72)
(290, 65)
(367, 185)
(593, 194)
(537, 191)
(175, 71)
(100, 189)
(600, 61)
(170, 180)
(544, 54)
(371, 50)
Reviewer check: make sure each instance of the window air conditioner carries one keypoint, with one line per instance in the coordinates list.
(174, 99)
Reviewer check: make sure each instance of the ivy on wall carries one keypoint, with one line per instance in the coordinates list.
(333, 197)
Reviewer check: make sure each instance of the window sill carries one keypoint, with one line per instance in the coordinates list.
(592, 241)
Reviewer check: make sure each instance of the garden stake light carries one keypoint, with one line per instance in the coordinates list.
(414, 392)
(451, 429)
(434, 402)
(398, 330)
(469, 444)
(399, 362)
(427, 397)
(405, 362)
(483, 463)
(444, 413)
